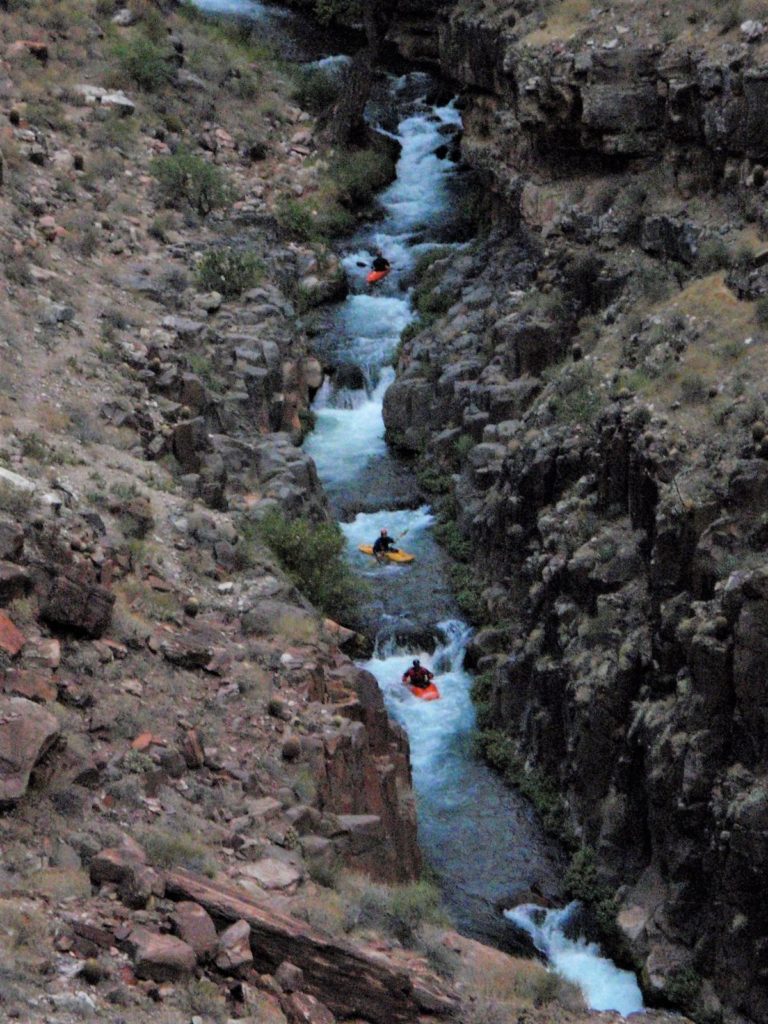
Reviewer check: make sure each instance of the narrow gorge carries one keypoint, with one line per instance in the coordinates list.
(218, 802)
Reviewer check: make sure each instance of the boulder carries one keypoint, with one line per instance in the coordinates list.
(160, 957)
(305, 1009)
(126, 867)
(194, 926)
(234, 948)
(27, 733)
(78, 605)
(272, 874)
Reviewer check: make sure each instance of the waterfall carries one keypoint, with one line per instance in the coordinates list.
(604, 985)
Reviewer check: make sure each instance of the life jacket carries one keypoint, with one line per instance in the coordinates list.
(417, 676)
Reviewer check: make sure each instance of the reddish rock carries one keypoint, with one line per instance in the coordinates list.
(38, 686)
(27, 733)
(194, 926)
(143, 741)
(305, 1009)
(11, 639)
(78, 605)
(160, 957)
(113, 864)
(234, 948)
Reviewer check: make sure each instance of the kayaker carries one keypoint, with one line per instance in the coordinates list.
(382, 545)
(418, 676)
(380, 264)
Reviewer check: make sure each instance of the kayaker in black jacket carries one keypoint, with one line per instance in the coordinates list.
(418, 676)
(382, 545)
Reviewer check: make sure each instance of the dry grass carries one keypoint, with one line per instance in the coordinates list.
(59, 883)
(494, 992)
(565, 20)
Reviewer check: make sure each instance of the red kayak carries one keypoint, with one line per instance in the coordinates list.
(376, 275)
(430, 692)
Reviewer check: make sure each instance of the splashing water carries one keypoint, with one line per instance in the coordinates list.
(604, 985)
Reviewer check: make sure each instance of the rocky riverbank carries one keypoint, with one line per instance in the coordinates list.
(586, 392)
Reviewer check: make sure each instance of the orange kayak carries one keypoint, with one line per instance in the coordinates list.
(376, 275)
(430, 692)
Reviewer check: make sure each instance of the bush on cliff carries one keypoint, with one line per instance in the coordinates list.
(229, 271)
(185, 178)
(144, 63)
(359, 174)
(312, 555)
(396, 910)
(316, 89)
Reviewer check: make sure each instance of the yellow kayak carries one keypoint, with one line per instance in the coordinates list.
(393, 556)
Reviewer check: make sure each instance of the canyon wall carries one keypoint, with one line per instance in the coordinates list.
(586, 393)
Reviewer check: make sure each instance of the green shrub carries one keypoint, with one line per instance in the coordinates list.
(463, 447)
(296, 219)
(433, 479)
(713, 255)
(577, 396)
(347, 11)
(313, 557)
(144, 62)
(693, 388)
(467, 589)
(453, 540)
(400, 911)
(761, 311)
(188, 179)
(583, 883)
(316, 89)
(360, 174)
(15, 501)
(682, 987)
(229, 271)
(175, 849)
(322, 221)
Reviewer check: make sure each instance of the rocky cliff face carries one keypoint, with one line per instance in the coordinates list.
(589, 382)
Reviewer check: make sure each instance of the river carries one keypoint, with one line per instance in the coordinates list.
(481, 839)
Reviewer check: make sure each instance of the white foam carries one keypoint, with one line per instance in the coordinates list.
(604, 985)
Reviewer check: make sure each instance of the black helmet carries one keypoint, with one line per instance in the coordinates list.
(416, 663)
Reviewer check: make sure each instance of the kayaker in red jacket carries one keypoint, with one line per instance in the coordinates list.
(418, 676)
